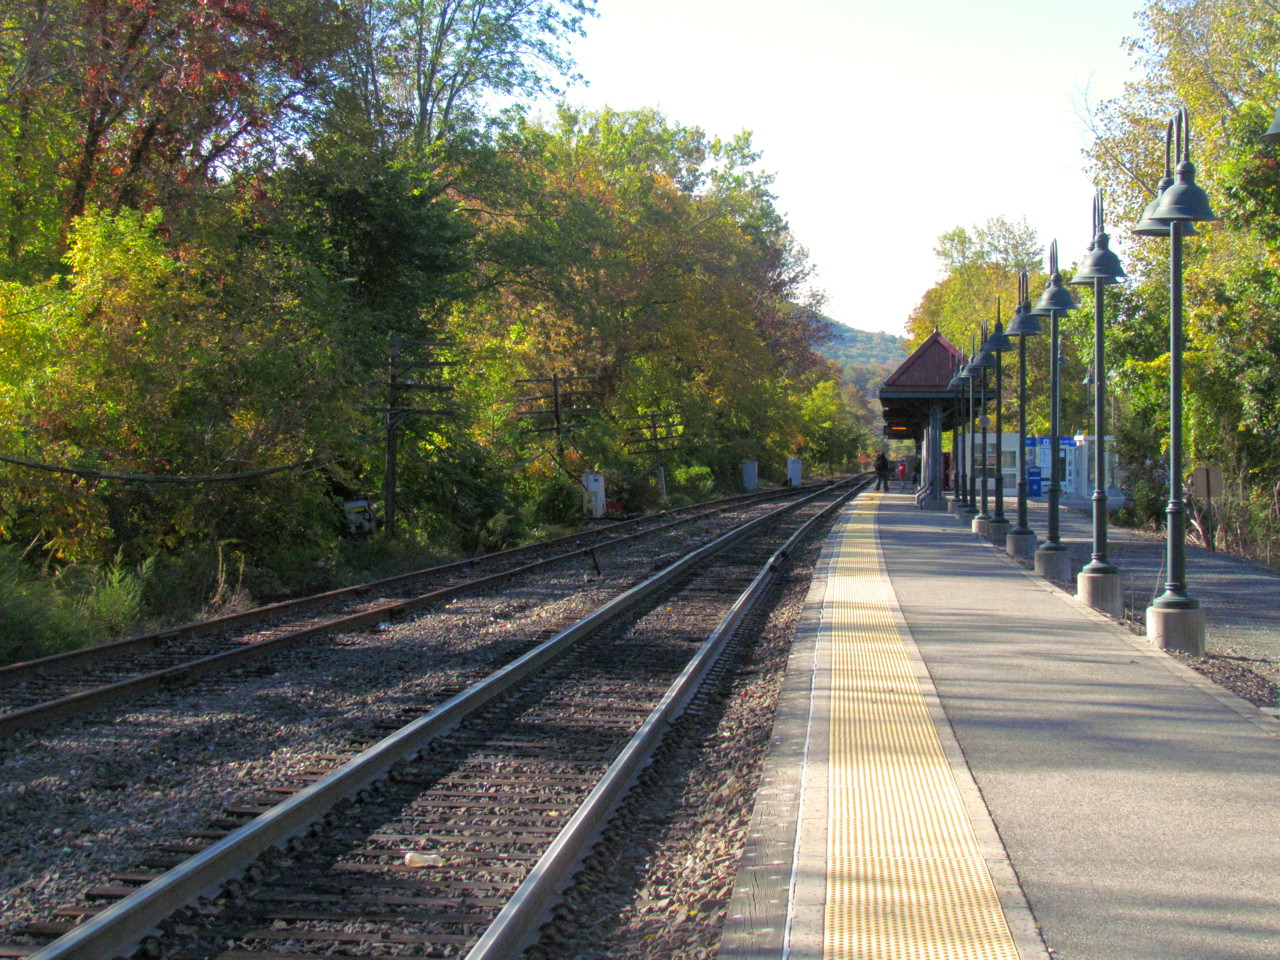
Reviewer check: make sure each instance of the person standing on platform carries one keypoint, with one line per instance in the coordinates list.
(902, 475)
(882, 472)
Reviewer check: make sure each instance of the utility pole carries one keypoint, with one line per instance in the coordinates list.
(658, 432)
(549, 412)
(405, 364)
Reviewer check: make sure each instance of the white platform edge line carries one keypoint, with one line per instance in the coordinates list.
(807, 892)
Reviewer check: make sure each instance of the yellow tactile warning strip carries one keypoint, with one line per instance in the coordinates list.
(906, 879)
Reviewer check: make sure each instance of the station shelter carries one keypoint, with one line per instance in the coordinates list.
(920, 406)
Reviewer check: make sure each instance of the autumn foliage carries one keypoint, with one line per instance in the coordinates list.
(218, 217)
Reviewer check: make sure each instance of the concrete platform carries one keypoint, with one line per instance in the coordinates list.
(1023, 750)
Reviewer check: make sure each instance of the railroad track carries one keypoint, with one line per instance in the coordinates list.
(71, 684)
(452, 835)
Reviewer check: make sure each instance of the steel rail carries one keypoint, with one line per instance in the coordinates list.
(16, 671)
(519, 923)
(83, 700)
(122, 927)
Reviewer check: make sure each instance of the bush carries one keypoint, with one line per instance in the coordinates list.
(196, 583)
(632, 484)
(83, 604)
(497, 533)
(1148, 490)
(553, 500)
(376, 557)
(695, 482)
(110, 603)
(37, 619)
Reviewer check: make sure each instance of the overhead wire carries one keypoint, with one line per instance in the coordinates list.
(93, 474)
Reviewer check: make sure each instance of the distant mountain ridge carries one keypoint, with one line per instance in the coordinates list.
(850, 347)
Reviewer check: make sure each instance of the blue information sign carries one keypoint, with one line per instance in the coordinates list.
(1044, 442)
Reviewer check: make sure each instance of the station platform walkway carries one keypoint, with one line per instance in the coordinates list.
(967, 762)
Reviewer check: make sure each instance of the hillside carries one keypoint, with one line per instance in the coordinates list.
(850, 347)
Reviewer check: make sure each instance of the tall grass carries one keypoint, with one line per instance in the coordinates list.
(35, 618)
(111, 600)
(43, 613)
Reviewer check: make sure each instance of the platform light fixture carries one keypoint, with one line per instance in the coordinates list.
(997, 344)
(1175, 619)
(978, 367)
(1051, 558)
(1273, 132)
(1021, 540)
(958, 385)
(1098, 584)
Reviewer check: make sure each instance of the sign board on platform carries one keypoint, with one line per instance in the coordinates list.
(1044, 442)
(1206, 482)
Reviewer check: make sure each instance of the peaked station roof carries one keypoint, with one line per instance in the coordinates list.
(921, 381)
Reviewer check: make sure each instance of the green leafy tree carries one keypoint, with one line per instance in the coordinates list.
(1218, 57)
(834, 434)
(421, 70)
(648, 256)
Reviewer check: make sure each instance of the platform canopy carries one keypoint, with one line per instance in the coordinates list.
(920, 389)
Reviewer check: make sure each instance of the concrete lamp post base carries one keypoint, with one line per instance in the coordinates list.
(1177, 628)
(979, 524)
(1053, 561)
(1102, 590)
(1020, 544)
(998, 530)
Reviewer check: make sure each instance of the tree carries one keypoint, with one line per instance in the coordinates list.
(981, 273)
(421, 69)
(834, 433)
(648, 256)
(980, 288)
(1013, 246)
(1218, 57)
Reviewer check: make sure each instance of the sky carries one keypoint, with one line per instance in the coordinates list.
(886, 122)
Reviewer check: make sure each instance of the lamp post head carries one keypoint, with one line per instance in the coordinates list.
(985, 360)
(1024, 322)
(998, 341)
(1056, 297)
(1100, 263)
(1178, 199)
(1273, 132)
(1149, 226)
(1184, 201)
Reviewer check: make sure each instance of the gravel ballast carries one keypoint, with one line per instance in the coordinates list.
(83, 800)
(658, 886)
